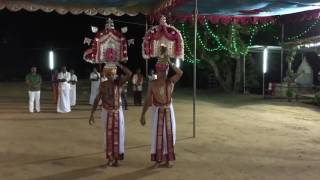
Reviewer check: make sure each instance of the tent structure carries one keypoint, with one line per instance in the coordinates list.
(213, 9)
(88, 7)
(216, 11)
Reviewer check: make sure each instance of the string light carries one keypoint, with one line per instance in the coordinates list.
(233, 39)
(234, 46)
(215, 37)
(292, 38)
(253, 31)
(204, 46)
(189, 57)
(277, 39)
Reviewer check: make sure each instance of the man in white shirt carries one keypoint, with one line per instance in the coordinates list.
(137, 82)
(63, 105)
(73, 88)
(152, 76)
(95, 82)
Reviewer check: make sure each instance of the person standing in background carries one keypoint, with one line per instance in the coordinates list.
(137, 81)
(124, 94)
(33, 80)
(73, 88)
(55, 86)
(63, 105)
(152, 76)
(95, 82)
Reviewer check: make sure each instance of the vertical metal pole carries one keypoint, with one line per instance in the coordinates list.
(244, 74)
(282, 50)
(147, 66)
(263, 78)
(195, 68)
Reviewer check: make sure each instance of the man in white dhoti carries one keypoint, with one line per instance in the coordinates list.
(163, 120)
(63, 105)
(95, 82)
(33, 81)
(137, 85)
(112, 117)
(73, 88)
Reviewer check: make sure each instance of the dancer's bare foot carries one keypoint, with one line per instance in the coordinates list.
(156, 165)
(169, 164)
(110, 162)
(115, 163)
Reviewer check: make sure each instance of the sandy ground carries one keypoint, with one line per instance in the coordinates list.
(238, 137)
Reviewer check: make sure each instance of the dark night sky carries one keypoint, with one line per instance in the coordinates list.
(26, 38)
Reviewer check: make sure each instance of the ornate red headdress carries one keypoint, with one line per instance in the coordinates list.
(163, 34)
(109, 46)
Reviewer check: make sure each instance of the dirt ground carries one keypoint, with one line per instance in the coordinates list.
(238, 137)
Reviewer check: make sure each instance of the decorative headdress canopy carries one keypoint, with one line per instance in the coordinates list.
(163, 34)
(109, 46)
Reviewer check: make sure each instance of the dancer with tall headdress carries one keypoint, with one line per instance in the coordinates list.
(110, 48)
(159, 96)
(165, 43)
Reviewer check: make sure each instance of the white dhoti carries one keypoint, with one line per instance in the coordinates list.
(113, 141)
(34, 101)
(94, 91)
(73, 95)
(63, 105)
(163, 134)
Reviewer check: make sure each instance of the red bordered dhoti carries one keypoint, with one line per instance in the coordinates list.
(114, 133)
(163, 133)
